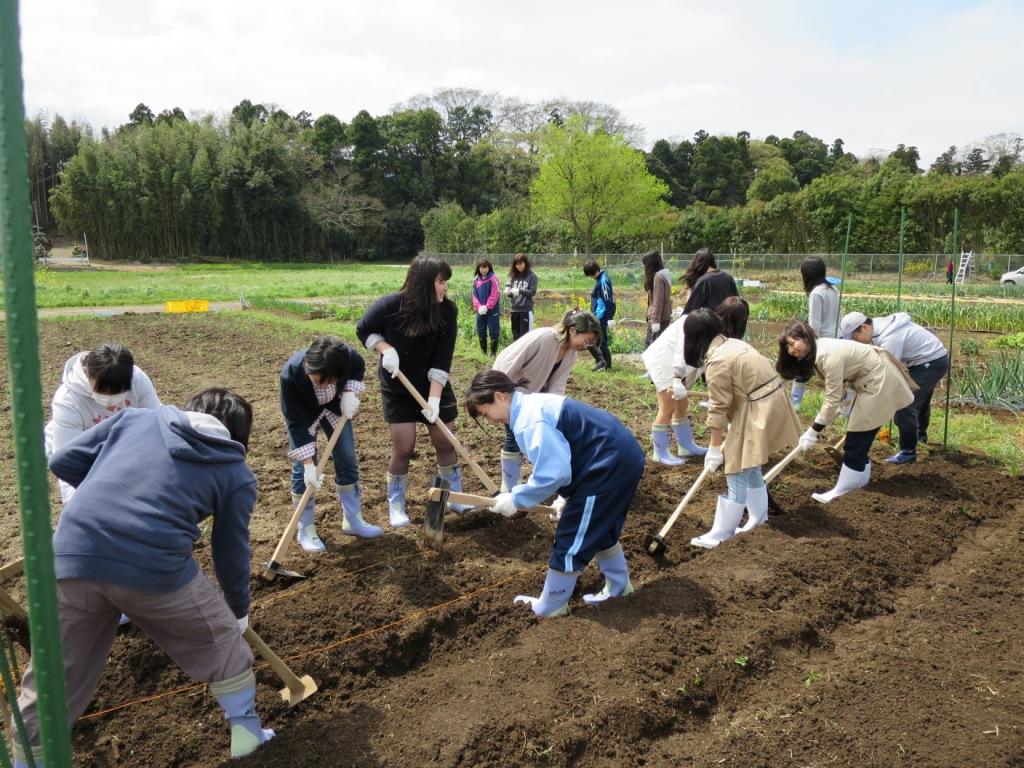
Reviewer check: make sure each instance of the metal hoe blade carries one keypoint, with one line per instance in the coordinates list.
(277, 569)
(433, 521)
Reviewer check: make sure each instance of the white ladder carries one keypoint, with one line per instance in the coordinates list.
(967, 267)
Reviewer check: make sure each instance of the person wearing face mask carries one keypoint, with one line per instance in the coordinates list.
(541, 361)
(585, 455)
(318, 386)
(415, 330)
(95, 386)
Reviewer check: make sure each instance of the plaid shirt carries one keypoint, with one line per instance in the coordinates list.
(324, 394)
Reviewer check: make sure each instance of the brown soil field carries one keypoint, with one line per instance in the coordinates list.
(882, 630)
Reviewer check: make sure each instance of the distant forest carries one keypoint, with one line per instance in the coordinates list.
(462, 170)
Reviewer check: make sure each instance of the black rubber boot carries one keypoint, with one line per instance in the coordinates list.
(494, 347)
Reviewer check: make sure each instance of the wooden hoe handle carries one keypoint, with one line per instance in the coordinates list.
(682, 504)
(480, 501)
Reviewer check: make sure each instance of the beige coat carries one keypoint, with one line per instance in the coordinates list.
(880, 382)
(746, 395)
(533, 356)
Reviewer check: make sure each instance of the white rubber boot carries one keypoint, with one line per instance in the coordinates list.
(612, 563)
(661, 434)
(849, 480)
(796, 396)
(21, 759)
(453, 475)
(237, 697)
(352, 523)
(727, 516)
(511, 470)
(554, 598)
(306, 532)
(396, 500)
(757, 509)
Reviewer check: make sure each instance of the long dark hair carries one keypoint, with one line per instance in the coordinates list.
(229, 408)
(110, 368)
(652, 265)
(734, 313)
(482, 388)
(327, 356)
(512, 272)
(788, 366)
(699, 329)
(812, 270)
(421, 313)
(483, 261)
(702, 261)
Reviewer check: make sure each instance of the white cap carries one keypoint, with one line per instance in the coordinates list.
(851, 322)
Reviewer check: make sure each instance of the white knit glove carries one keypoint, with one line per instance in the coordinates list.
(482, 309)
(349, 405)
(433, 408)
(243, 623)
(389, 361)
(309, 477)
(656, 327)
(678, 389)
(808, 439)
(504, 505)
(713, 459)
(558, 505)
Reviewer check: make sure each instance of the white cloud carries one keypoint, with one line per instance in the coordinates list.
(673, 67)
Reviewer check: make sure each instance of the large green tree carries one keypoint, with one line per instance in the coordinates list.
(596, 184)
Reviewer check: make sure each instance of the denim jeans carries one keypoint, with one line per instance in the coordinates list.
(913, 420)
(855, 456)
(346, 470)
(740, 482)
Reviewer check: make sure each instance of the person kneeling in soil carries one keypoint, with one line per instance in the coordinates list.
(584, 455)
(95, 386)
(748, 398)
(880, 386)
(144, 480)
(319, 385)
(414, 331)
(542, 360)
(926, 359)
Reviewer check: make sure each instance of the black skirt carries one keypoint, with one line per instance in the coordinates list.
(401, 408)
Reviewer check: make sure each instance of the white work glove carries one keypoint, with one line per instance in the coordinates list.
(655, 327)
(389, 361)
(558, 505)
(310, 478)
(847, 405)
(349, 405)
(433, 408)
(504, 505)
(243, 623)
(678, 389)
(508, 290)
(482, 310)
(516, 291)
(808, 439)
(713, 459)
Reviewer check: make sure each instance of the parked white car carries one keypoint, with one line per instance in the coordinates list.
(1013, 278)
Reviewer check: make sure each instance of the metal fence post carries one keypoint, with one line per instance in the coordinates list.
(26, 400)
(952, 330)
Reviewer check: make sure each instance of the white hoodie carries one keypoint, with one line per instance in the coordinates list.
(906, 340)
(74, 410)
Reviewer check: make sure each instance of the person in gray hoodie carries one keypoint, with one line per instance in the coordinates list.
(145, 480)
(521, 288)
(658, 285)
(95, 386)
(927, 361)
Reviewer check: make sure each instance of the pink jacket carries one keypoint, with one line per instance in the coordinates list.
(479, 289)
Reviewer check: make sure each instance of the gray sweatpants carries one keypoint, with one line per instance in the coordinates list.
(192, 625)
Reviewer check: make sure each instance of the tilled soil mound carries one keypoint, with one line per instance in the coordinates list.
(883, 629)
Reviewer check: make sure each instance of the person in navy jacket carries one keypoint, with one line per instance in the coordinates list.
(581, 453)
(602, 305)
(145, 479)
(319, 385)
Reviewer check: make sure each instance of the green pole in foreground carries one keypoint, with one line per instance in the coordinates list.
(842, 274)
(899, 284)
(26, 400)
(952, 329)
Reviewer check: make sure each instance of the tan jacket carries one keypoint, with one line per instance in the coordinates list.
(533, 356)
(879, 381)
(659, 302)
(746, 395)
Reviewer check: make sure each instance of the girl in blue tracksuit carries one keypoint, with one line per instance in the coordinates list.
(581, 453)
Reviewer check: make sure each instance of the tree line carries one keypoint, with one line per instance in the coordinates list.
(463, 170)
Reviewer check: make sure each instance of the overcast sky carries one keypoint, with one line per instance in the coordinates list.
(874, 73)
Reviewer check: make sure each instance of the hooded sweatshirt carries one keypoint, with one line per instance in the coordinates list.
(75, 410)
(659, 301)
(145, 479)
(906, 340)
(527, 285)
